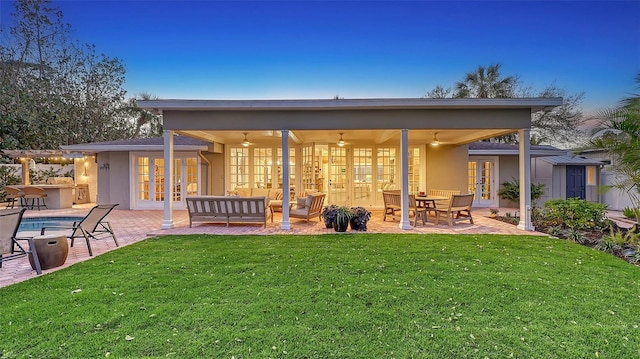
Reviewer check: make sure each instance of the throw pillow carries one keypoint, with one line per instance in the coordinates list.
(301, 203)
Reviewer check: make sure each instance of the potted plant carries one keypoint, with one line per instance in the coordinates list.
(328, 215)
(343, 217)
(359, 219)
(493, 212)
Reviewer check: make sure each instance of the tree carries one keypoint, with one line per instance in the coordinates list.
(560, 125)
(619, 135)
(486, 82)
(147, 123)
(53, 90)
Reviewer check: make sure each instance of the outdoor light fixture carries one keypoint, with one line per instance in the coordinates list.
(245, 142)
(435, 141)
(341, 141)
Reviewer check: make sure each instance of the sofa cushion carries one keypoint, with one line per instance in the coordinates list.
(259, 192)
(243, 192)
(299, 212)
(275, 194)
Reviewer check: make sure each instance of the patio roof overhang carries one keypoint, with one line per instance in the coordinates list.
(456, 121)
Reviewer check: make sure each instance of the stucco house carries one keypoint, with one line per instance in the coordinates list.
(614, 198)
(564, 174)
(349, 149)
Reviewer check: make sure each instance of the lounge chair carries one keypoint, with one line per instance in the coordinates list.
(459, 209)
(308, 207)
(92, 226)
(9, 247)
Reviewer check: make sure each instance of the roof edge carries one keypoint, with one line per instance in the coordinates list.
(535, 103)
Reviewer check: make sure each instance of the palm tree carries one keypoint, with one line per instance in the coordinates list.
(619, 134)
(486, 82)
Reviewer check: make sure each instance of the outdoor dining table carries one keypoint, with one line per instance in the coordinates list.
(428, 201)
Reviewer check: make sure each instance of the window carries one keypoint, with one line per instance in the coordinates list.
(262, 162)
(591, 175)
(239, 171)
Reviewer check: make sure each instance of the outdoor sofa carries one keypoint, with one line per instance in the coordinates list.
(228, 209)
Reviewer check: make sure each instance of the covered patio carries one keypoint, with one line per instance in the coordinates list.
(401, 125)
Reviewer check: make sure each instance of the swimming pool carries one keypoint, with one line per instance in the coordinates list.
(36, 223)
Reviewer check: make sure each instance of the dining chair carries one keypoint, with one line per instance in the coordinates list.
(34, 194)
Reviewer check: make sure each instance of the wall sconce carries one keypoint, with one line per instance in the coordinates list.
(341, 141)
(435, 141)
(245, 142)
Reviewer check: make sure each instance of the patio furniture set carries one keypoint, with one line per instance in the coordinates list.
(451, 205)
(243, 206)
(48, 247)
(29, 197)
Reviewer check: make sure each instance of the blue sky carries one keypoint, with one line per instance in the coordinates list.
(309, 49)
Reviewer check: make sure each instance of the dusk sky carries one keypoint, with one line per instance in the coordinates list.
(359, 49)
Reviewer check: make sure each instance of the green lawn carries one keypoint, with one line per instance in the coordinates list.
(331, 296)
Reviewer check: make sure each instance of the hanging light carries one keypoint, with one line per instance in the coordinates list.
(341, 141)
(245, 142)
(435, 141)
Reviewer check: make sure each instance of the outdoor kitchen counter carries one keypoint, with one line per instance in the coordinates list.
(58, 195)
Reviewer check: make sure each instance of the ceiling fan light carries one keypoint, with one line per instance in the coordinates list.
(245, 142)
(435, 141)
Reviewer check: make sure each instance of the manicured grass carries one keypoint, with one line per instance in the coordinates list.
(331, 296)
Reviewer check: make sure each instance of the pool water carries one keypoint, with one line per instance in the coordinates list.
(36, 223)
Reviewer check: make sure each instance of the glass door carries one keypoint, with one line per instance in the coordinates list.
(338, 191)
(149, 180)
(481, 182)
(363, 177)
(310, 168)
(385, 172)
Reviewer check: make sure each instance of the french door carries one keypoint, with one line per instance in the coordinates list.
(149, 180)
(482, 181)
(363, 177)
(338, 186)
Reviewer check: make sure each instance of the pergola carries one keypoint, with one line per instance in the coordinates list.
(26, 155)
(456, 122)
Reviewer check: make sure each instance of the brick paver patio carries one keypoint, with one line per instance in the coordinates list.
(133, 226)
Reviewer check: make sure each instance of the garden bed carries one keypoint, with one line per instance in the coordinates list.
(586, 224)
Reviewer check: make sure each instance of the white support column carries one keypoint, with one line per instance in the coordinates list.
(525, 180)
(404, 178)
(285, 181)
(167, 222)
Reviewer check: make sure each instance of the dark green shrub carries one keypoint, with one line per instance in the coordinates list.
(41, 176)
(574, 213)
(607, 245)
(624, 237)
(632, 213)
(555, 231)
(511, 190)
(575, 236)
